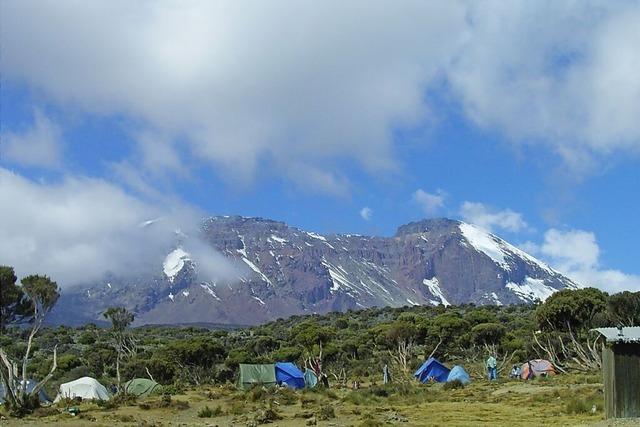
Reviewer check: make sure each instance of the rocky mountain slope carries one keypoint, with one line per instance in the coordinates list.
(290, 271)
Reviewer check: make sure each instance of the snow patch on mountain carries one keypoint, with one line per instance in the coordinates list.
(531, 289)
(434, 287)
(495, 298)
(316, 236)
(278, 239)
(208, 290)
(484, 242)
(174, 262)
(243, 250)
(257, 270)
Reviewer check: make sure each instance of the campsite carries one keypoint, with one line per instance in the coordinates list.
(417, 366)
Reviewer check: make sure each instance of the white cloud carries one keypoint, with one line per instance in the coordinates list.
(293, 86)
(80, 229)
(242, 85)
(430, 203)
(490, 219)
(560, 73)
(39, 145)
(366, 213)
(576, 253)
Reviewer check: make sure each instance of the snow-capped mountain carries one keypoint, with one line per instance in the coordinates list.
(290, 271)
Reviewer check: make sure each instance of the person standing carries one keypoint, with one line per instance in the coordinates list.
(385, 374)
(492, 368)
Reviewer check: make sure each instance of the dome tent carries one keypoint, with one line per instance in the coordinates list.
(31, 384)
(142, 387)
(536, 368)
(84, 388)
(289, 375)
(458, 373)
(432, 369)
(310, 378)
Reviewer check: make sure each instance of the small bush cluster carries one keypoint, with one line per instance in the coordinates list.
(207, 412)
(453, 385)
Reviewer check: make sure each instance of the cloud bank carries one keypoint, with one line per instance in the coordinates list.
(430, 203)
(298, 87)
(576, 253)
(491, 219)
(81, 229)
(38, 146)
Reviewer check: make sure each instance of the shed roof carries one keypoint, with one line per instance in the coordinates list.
(624, 335)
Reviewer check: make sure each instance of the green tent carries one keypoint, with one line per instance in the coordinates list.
(251, 375)
(142, 387)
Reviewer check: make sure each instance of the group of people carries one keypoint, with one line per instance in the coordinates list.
(516, 372)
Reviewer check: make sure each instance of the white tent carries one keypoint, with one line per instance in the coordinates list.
(85, 388)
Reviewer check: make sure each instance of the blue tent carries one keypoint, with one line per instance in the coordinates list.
(432, 369)
(31, 384)
(288, 374)
(458, 373)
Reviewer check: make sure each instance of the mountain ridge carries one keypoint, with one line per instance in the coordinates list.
(292, 271)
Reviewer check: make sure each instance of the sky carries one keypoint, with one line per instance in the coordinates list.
(521, 117)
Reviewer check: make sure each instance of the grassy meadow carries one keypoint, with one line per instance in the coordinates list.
(563, 400)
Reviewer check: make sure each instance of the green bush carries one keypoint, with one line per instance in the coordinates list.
(453, 385)
(585, 405)
(326, 412)
(207, 412)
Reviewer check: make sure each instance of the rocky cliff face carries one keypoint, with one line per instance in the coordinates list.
(290, 271)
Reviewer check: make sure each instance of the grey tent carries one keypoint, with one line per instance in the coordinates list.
(251, 375)
(310, 378)
(31, 384)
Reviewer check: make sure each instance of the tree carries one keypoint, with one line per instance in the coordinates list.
(13, 303)
(572, 309)
(123, 343)
(565, 320)
(42, 293)
(624, 308)
(488, 334)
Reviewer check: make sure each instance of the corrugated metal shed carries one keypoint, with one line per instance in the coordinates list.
(621, 369)
(626, 334)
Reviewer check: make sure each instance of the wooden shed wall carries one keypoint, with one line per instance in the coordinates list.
(621, 369)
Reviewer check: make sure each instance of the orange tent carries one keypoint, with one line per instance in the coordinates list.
(535, 368)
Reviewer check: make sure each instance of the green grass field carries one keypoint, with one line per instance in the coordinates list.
(566, 400)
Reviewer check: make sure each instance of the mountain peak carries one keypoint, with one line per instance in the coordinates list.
(425, 225)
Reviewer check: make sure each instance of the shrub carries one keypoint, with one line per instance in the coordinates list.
(265, 416)
(326, 412)
(173, 389)
(453, 385)
(45, 412)
(180, 404)
(237, 408)
(379, 391)
(207, 412)
(584, 405)
(369, 421)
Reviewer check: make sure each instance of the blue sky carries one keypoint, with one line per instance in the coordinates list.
(519, 117)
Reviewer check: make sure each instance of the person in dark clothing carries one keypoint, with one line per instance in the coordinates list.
(324, 379)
